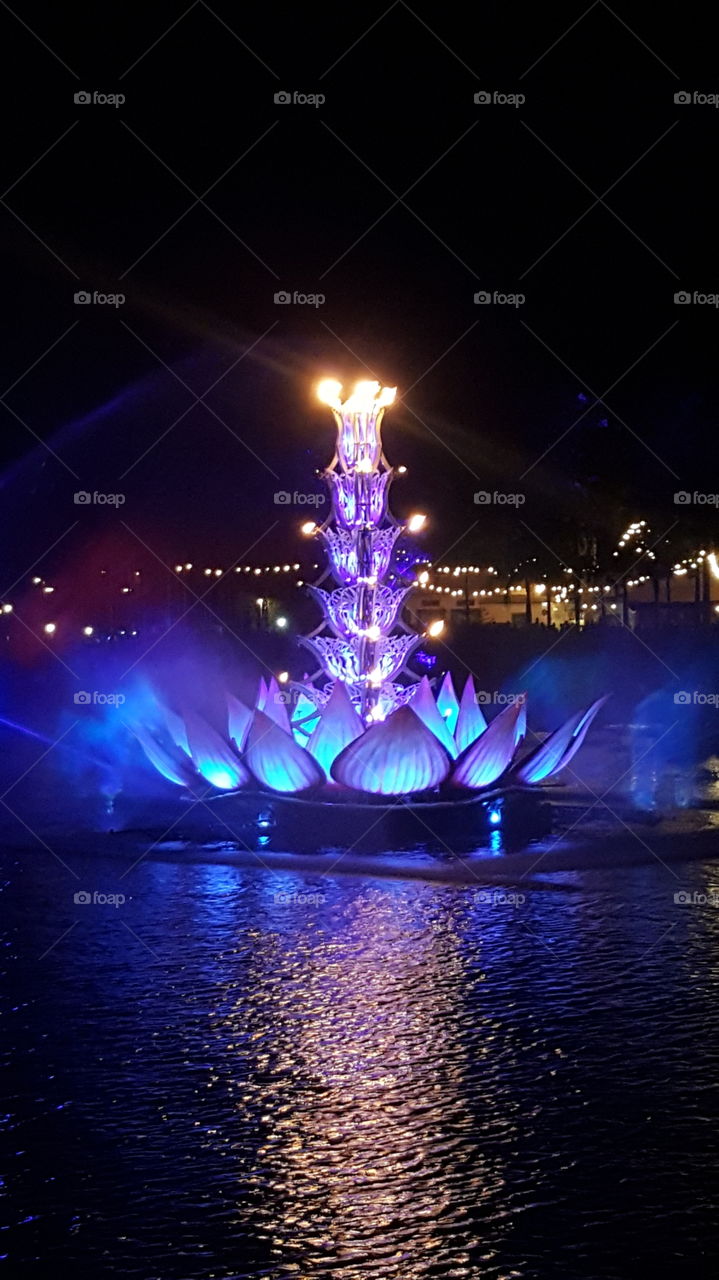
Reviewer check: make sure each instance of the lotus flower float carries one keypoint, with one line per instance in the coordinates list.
(414, 752)
(364, 724)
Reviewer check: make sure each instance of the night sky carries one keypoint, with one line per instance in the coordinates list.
(397, 199)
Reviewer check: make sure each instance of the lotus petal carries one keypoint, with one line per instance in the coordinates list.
(521, 731)
(470, 721)
(239, 717)
(338, 725)
(394, 758)
(552, 755)
(276, 705)
(447, 703)
(175, 768)
(261, 696)
(212, 756)
(276, 760)
(486, 759)
(424, 706)
(304, 719)
(176, 728)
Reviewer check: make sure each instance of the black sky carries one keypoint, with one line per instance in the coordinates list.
(397, 199)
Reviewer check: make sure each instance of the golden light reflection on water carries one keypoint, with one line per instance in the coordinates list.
(358, 1081)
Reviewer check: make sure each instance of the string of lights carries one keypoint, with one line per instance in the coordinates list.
(459, 582)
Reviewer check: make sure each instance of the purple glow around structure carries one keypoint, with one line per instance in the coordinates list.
(363, 721)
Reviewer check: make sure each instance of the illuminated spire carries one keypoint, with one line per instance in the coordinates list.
(368, 645)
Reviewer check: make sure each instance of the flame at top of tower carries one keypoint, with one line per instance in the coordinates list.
(367, 397)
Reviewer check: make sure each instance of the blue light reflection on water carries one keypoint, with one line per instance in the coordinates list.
(360, 1077)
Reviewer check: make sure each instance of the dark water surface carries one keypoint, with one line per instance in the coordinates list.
(401, 1080)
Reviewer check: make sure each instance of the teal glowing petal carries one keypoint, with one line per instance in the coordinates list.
(338, 725)
(397, 757)
(173, 766)
(470, 720)
(176, 729)
(559, 748)
(424, 706)
(212, 756)
(304, 719)
(276, 760)
(447, 703)
(261, 698)
(487, 758)
(275, 705)
(239, 717)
